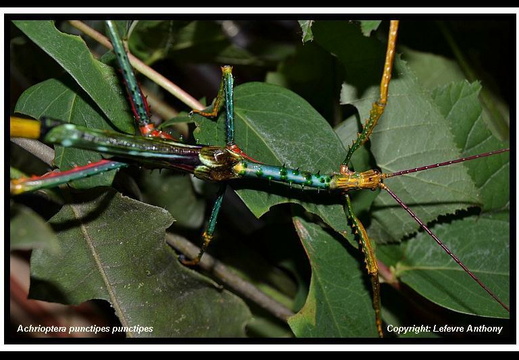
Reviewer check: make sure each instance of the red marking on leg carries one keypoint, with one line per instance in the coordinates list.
(74, 169)
(235, 149)
(149, 130)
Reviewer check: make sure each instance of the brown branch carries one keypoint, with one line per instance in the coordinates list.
(144, 69)
(229, 278)
(40, 150)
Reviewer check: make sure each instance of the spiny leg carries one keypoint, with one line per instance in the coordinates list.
(379, 106)
(370, 260)
(208, 234)
(138, 102)
(228, 80)
(225, 95)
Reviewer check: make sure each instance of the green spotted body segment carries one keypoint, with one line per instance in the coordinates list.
(283, 174)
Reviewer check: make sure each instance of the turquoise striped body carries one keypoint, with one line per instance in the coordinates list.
(154, 152)
(249, 169)
(229, 104)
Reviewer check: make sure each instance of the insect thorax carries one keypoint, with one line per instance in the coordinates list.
(217, 164)
(349, 180)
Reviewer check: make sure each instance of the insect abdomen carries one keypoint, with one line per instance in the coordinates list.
(283, 174)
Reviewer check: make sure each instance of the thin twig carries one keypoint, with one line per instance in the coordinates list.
(229, 278)
(40, 150)
(144, 69)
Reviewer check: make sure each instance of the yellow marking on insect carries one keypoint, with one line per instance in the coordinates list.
(239, 168)
(388, 67)
(349, 180)
(207, 237)
(16, 187)
(24, 128)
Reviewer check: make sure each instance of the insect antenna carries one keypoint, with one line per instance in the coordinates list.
(443, 246)
(450, 162)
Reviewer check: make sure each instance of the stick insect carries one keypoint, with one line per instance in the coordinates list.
(306, 230)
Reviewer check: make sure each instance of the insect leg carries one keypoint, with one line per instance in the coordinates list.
(209, 231)
(379, 106)
(140, 107)
(370, 259)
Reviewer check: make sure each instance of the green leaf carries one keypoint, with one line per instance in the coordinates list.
(339, 302)
(306, 27)
(193, 41)
(367, 26)
(113, 248)
(98, 80)
(459, 103)
(495, 110)
(421, 63)
(413, 133)
(175, 193)
(482, 244)
(27, 230)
